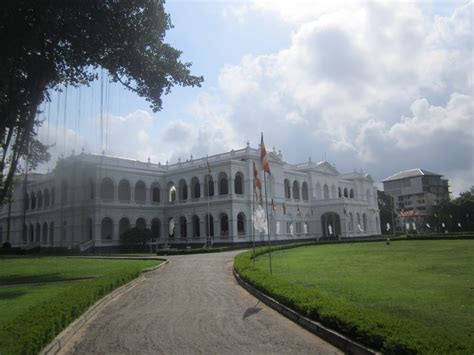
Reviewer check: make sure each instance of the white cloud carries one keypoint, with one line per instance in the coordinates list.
(429, 122)
(361, 80)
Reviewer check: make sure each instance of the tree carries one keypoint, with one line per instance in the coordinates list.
(452, 212)
(387, 214)
(48, 43)
(136, 236)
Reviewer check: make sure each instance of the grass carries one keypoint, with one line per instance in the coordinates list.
(39, 297)
(409, 296)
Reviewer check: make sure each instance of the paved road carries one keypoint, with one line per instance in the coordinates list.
(193, 305)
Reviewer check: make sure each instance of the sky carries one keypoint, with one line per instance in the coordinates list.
(378, 87)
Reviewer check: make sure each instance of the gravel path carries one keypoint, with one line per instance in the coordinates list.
(193, 305)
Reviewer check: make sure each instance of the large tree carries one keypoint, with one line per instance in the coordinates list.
(387, 214)
(48, 43)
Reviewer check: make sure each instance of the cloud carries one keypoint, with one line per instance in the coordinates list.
(429, 122)
(365, 80)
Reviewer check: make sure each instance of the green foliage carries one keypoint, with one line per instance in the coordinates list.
(136, 236)
(387, 214)
(192, 251)
(460, 209)
(49, 311)
(392, 298)
(32, 330)
(47, 44)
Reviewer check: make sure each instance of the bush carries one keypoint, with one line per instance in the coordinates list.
(136, 236)
(6, 245)
(373, 328)
(192, 251)
(30, 332)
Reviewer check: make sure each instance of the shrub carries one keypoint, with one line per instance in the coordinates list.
(33, 330)
(373, 328)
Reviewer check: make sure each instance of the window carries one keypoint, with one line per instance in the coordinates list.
(140, 191)
(107, 229)
(287, 189)
(140, 223)
(107, 189)
(196, 227)
(155, 228)
(241, 224)
(224, 225)
(209, 225)
(209, 186)
(195, 188)
(171, 192)
(223, 184)
(124, 192)
(183, 227)
(183, 190)
(124, 225)
(239, 184)
(155, 194)
(296, 190)
(44, 233)
(304, 191)
(298, 227)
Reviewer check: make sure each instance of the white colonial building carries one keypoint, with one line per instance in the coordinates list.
(89, 200)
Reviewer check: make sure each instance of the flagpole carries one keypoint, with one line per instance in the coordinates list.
(253, 216)
(208, 231)
(208, 237)
(268, 224)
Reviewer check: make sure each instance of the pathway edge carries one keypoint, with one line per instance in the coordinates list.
(344, 343)
(62, 338)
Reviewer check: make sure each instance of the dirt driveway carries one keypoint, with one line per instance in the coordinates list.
(193, 305)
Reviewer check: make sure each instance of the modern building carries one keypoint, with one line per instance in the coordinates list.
(90, 200)
(415, 192)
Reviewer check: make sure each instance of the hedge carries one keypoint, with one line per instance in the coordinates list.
(372, 328)
(192, 251)
(30, 332)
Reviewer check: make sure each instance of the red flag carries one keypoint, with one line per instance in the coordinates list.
(264, 157)
(256, 178)
(257, 185)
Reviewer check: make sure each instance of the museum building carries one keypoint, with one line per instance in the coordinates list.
(89, 200)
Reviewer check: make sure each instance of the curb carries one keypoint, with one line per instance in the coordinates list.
(340, 341)
(60, 341)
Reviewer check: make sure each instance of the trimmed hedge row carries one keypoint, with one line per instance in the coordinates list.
(192, 251)
(373, 328)
(30, 332)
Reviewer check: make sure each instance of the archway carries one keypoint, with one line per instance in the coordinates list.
(196, 227)
(107, 229)
(124, 189)
(331, 225)
(124, 225)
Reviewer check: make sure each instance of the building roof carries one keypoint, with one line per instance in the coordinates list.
(409, 174)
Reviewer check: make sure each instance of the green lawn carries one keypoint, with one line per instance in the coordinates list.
(413, 292)
(43, 295)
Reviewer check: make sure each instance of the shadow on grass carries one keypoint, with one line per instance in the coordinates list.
(12, 280)
(24, 279)
(10, 294)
